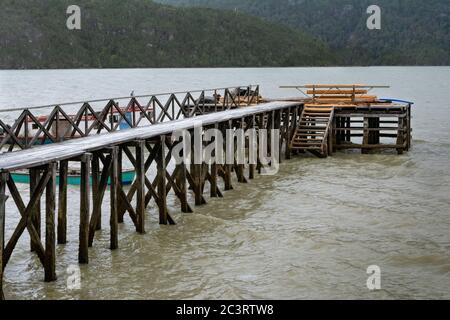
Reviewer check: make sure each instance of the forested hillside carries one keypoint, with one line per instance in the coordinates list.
(141, 33)
(414, 32)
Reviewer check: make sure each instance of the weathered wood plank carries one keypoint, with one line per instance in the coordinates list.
(161, 184)
(25, 221)
(35, 174)
(95, 184)
(50, 239)
(181, 181)
(98, 199)
(85, 208)
(3, 198)
(140, 183)
(114, 177)
(62, 202)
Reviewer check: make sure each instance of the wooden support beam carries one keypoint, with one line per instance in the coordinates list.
(119, 179)
(330, 142)
(25, 212)
(214, 169)
(98, 196)
(334, 135)
(114, 191)
(348, 132)
(400, 137)
(62, 202)
(366, 136)
(35, 174)
(251, 149)
(240, 167)
(95, 184)
(164, 217)
(140, 185)
(181, 181)
(3, 198)
(227, 167)
(279, 115)
(289, 131)
(196, 174)
(261, 126)
(50, 241)
(83, 253)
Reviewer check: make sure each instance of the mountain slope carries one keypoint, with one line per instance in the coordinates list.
(141, 33)
(414, 32)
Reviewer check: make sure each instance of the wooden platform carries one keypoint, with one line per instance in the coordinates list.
(335, 107)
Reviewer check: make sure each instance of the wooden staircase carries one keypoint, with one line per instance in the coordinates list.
(312, 133)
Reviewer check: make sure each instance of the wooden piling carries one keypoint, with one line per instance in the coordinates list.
(114, 178)
(227, 167)
(83, 253)
(95, 184)
(98, 195)
(119, 178)
(181, 180)
(214, 168)
(50, 241)
(140, 185)
(400, 135)
(251, 150)
(365, 136)
(161, 168)
(289, 130)
(239, 163)
(62, 203)
(3, 198)
(35, 175)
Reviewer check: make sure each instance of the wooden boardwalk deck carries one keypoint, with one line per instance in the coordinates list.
(72, 148)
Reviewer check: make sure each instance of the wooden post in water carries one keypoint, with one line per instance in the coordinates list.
(334, 134)
(251, 149)
(348, 133)
(119, 177)
(289, 131)
(114, 178)
(3, 198)
(85, 208)
(62, 202)
(181, 181)
(140, 180)
(98, 195)
(35, 175)
(240, 166)
(227, 166)
(95, 184)
(261, 127)
(50, 241)
(161, 167)
(400, 137)
(365, 136)
(278, 117)
(214, 189)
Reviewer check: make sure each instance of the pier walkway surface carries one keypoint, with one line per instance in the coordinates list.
(72, 148)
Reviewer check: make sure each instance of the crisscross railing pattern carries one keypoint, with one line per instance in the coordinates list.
(32, 128)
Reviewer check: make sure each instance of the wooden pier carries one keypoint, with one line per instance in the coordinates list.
(335, 116)
(101, 154)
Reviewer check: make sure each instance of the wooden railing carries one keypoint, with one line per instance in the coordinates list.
(33, 128)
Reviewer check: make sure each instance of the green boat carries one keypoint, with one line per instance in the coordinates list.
(73, 178)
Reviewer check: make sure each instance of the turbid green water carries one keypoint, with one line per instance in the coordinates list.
(309, 232)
